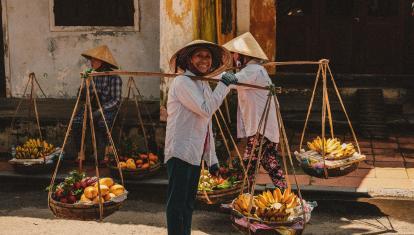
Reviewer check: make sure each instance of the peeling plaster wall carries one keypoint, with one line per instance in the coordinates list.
(175, 31)
(34, 48)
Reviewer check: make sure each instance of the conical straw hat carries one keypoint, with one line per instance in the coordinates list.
(221, 57)
(246, 44)
(101, 53)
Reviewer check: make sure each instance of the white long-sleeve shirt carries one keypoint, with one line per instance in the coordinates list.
(252, 103)
(190, 107)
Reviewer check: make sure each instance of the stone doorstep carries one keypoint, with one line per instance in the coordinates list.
(391, 173)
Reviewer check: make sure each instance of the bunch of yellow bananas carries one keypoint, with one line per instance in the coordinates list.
(241, 204)
(34, 148)
(275, 206)
(332, 147)
(268, 206)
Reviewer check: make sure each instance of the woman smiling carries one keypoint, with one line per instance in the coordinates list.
(189, 137)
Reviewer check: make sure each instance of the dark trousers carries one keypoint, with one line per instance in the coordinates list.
(182, 190)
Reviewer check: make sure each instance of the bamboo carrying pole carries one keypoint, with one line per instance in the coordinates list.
(159, 74)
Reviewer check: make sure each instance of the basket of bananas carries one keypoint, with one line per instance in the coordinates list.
(340, 158)
(272, 208)
(213, 190)
(34, 156)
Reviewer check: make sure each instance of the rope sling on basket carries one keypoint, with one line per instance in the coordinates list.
(269, 211)
(35, 155)
(328, 157)
(140, 165)
(81, 197)
(214, 190)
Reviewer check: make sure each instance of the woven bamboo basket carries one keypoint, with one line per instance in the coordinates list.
(83, 211)
(220, 195)
(135, 174)
(35, 166)
(335, 168)
(283, 219)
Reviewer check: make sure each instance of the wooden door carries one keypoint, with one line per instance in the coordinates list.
(381, 46)
(338, 32)
(358, 36)
(295, 28)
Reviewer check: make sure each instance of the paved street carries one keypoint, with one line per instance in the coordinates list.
(24, 210)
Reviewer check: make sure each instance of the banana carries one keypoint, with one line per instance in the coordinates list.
(277, 194)
(259, 204)
(263, 200)
(312, 146)
(270, 197)
(292, 204)
(286, 194)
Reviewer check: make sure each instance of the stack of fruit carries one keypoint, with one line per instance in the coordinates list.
(140, 162)
(109, 190)
(332, 148)
(79, 188)
(34, 149)
(269, 206)
(209, 183)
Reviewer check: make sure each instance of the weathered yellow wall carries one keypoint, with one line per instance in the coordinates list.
(32, 46)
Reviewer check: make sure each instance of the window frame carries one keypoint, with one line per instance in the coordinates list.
(54, 28)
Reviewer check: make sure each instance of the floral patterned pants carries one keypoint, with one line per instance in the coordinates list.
(270, 161)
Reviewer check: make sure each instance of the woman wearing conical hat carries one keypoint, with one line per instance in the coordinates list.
(109, 89)
(189, 138)
(249, 56)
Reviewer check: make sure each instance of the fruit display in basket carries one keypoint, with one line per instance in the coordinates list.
(33, 149)
(104, 189)
(117, 189)
(140, 162)
(241, 204)
(79, 188)
(268, 206)
(106, 181)
(273, 206)
(130, 164)
(122, 165)
(90, 192)
(207, 182)
(332, 147)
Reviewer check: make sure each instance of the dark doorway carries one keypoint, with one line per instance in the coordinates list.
(359, 36)
(2, 73)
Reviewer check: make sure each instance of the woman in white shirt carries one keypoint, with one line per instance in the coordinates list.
(249, 56)
(189, 137)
